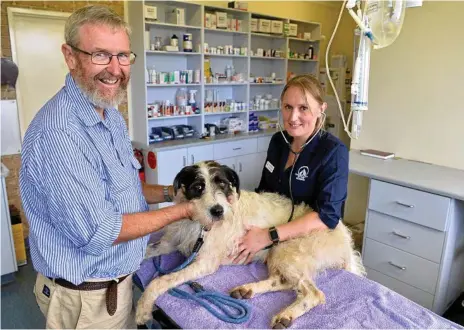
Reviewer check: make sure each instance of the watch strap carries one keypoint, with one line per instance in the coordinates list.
(274, 235)
(167, 197)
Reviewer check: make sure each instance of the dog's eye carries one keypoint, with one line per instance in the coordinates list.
(222, 184)
(198, 187)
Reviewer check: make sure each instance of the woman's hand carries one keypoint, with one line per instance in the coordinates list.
(254, 241)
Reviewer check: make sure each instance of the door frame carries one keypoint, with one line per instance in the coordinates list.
(14, 13)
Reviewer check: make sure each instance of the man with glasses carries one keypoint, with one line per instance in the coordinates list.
(87, 209)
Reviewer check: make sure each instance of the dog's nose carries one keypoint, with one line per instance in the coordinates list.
(216, 210)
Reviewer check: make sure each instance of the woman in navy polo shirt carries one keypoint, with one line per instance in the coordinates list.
(316, 161)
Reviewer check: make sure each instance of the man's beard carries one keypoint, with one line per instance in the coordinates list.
(94, 95)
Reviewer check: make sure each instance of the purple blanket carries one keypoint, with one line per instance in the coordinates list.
(351, 301)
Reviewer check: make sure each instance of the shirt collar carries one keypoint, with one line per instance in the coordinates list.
(85, 110)
(311, 147)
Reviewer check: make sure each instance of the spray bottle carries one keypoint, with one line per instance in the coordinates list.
(192, 101)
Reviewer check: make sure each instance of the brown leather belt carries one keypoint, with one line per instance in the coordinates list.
(111, 292)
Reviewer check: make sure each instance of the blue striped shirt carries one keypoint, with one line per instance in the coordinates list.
(78, 177)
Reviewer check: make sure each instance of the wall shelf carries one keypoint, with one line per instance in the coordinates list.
(174, 117)
(162, 52)
(194, 23)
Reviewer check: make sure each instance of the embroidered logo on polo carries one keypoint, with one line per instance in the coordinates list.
(302, 173)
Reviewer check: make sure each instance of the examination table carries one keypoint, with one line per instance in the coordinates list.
(351, 301)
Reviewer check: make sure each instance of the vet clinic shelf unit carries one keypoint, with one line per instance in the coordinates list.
(253, 61)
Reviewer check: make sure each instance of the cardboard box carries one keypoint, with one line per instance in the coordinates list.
(292, 30)
(151, 13)
(208, 22)
(277, 27)
(233, 25)
(175, 15)
(254, 25)
(239, 25)
(213, 21)
(238, 5)
(264, 25)
(221, 20)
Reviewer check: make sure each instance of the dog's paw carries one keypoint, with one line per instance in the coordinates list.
(242, 292)
(281, 321)
(144, 310)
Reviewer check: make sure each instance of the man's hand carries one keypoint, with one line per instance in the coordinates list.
(254, 241)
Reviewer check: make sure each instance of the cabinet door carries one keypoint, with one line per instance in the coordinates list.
(170, 163)
(231, 162)
(249, 170)
(199, 154)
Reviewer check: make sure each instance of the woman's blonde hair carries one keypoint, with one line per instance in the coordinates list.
(93, 14)
(308, 84)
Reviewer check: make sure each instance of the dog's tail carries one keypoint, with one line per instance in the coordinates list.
(355, 264)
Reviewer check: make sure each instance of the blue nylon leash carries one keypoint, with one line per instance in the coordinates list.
(225, 305)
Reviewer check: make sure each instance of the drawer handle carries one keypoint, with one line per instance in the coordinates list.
(401, 235)
(405, 205)
(239, 167)
(233, 166)
(185, 161)
(193, 160)
(237, 148)
(397, 266)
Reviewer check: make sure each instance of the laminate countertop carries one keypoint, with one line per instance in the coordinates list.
(431, 178)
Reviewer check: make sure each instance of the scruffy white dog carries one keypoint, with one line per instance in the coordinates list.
(225, 211)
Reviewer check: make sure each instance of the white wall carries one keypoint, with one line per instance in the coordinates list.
(416, 92)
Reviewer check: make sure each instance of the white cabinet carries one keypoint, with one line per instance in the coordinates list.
(9, 264)
(170, 163)
(248, 168)
(200, 154)
(245, 156)
(413, 244)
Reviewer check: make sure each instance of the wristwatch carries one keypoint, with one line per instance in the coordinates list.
(167, 197)
(274, 236)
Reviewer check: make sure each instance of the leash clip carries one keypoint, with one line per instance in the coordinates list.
(197, 287)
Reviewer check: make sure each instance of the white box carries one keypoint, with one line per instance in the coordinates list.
(221, 20)
(175, 15)
(292, 30)
(307, 35)
(264, 25)
(208, 22)
(239, 25)
(151, 13)
(254, 25)
(277, 27)
(213, 21)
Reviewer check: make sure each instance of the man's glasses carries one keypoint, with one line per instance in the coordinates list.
(104, 58)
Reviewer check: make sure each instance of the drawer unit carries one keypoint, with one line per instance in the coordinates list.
(418, 296)
(413, 205)
(407, 268)
(263, 143)
(407, 236)
(235, 148)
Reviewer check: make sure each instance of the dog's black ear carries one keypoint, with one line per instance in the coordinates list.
(185, 177)
(232, 176)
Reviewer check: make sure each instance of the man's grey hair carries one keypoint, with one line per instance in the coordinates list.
(93, 14)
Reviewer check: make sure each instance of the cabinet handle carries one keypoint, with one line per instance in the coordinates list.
(233, 166)
(397, 266)
(185, 160)
(405, 205)
(193, 160)
(401, 235)
(237, 148)
(239, 167)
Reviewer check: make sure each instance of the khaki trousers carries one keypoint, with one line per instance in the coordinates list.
(72, 309)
